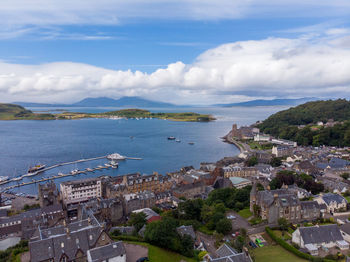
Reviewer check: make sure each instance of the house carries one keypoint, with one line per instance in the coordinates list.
(239, 171)
(226, 253)
(315, 237)
(150, 214)
(334, 202)
(68, 242)
(112, 252)
(190, 190)
(284, 202)
(188, 230)
(222, 182)
(240, 182)
(334, 185)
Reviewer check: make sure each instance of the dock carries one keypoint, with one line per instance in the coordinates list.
(100, 167)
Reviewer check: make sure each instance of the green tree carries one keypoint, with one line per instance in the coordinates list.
(283, 224)
(252, 161)
(276, 161)
(224, 226)
(138, 220)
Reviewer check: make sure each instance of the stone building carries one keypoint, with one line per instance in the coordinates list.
(68, 242)
(48, 194)
(190, 190)
(239, 171)
(275, 204)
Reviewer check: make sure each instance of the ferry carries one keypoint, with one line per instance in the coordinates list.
(115, 156)
(36, 168)
(171, 138)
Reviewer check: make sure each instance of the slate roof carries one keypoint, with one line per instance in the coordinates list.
(346, 228)
(226, 253)
(320, 234)
(222, 182)
(186, 230)
(267, 197)
(103, 253)
(55, 246)
(225, 250)
(329, 197)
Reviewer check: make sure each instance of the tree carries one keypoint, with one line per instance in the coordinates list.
(276, 161)
(283, 224)
(191, 209)
(224, 226)
(252, 161)
(345, 175)
(138, 220)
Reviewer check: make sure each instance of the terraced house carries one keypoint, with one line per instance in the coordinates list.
(138, 183)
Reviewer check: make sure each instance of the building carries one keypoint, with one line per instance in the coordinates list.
(114, 252)
(239, 171)
(284, 202)
(150, 214)
(226, 253)
(239, 182)
(135, 183)
(190, 190)
(334, 202)
(48, 194)
(315, 237)
(244, 132)
(68, 242)
(137, 201)
(282, 151)
(77, 191)
(262, 138)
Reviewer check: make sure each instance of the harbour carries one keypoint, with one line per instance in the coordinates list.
(113, 157)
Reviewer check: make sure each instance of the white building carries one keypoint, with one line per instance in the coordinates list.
(262, 138)
(313, 238)
(77, 191)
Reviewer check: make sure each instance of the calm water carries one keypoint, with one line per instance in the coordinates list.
(26, 143)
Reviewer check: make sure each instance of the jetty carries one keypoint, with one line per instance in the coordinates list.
(100, 167)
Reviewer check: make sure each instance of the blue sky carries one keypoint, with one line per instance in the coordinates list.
(182, 51)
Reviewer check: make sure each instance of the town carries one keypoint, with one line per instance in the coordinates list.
(273, 195)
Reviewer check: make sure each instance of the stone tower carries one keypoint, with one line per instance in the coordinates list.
(253, 194)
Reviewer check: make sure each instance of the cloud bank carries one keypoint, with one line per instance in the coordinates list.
(273, 67)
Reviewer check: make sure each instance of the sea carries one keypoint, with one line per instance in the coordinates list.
(25, 143)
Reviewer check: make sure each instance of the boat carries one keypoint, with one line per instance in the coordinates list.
(30, 174)
(178, 140)
(60, 174)
(4, 178)
(114, 164)
(74, 172)
(108, 165)
(191, 143)
(171, 138)
(36, 168)
(89, 169)
(115, 156)
(17, 178)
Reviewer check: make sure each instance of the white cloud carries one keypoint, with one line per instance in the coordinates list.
(236, 71)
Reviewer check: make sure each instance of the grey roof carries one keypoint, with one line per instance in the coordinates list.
(346, 228)
(225, 250)
(69, 244)
(103, 253)
(286, 197)
(320, 234)
(329, 197)
(226, 253)
(308, 205)
(186, 230)
(127, 230)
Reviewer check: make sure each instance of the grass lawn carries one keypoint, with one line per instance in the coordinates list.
(275, 254)
(245, 213)
(347, 198)
(157, 254)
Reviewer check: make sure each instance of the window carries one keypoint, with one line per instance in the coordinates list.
(62, 245)
(103, 237)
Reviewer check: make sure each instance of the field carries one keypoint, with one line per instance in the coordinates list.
(274, 253)
(157, 254)
(245, 213)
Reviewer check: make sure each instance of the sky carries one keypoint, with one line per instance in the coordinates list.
(184, 52)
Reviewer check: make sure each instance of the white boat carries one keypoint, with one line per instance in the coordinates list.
(60, 174)
(30, 174)
(115, 156)
(178, 140)
(114, 164)
(107, 165)
(89, 169)
(74, 172)
(4, 178)
(17, 178)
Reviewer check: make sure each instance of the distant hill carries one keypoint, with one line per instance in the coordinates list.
(14, 112)
(300, 123)
(273, 102)
(127, 101)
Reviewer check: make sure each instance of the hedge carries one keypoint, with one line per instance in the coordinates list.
(293, 250)
(127, 238)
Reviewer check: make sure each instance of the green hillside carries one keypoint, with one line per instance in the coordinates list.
(16, 112)
(289, 124)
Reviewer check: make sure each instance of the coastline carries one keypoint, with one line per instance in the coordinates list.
(240, 145)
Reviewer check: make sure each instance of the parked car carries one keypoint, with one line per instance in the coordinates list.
(259, 242)
(252, 244)
(231, 217)
(142, 259)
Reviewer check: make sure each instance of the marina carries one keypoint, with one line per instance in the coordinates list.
(113, 164)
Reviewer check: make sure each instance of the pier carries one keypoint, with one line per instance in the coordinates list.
(60, 175)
